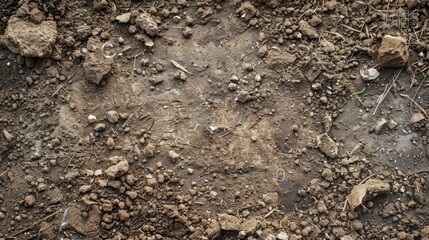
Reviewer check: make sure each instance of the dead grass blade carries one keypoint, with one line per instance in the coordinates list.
(177, 65)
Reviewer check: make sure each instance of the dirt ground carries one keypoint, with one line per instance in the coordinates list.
(217, 119)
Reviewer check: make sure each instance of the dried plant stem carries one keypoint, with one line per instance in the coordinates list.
(386, 91)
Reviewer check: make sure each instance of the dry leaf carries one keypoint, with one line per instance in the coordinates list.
(356, 196)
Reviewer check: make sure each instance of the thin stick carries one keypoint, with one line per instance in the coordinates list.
(4, 172)
(335, 33)
(56, 92)
(386, 91)
(271, 212)
(65, 170)
(150, 128)
(418, 106)
(351, 28)
(418, 89)
(128, 120)
(58, 89)
(226, 75)
(250, 206)
(63, 222)
(420, 171)
(135, 60)
(227, 133)
(95, 108)
(34, 224)
(370, 176)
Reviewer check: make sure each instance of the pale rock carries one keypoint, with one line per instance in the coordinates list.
(327, 145)
(30, 39)
(112, 116)
(308, 30)
(147, 23)
(229, 223)
(393, 51)
(417, 117)
(9, 137)
(248, 228)
(123, 18)
(118, 169)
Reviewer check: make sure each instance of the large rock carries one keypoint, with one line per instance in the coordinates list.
(147, 23)
(393, 52)
(248, 228)
(30, 39)
(118, 169)
(213, 229)
(229, 223)
(97, 65)
(327, 145)
(279, 59)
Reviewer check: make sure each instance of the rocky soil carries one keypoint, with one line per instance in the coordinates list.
(185, 119)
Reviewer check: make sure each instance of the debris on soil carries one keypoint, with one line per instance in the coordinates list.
(375, 186)
(187, 32)
(244, 96)
(177, 65)
(355, 198)
(248, 228)
(112, 116)
(215, 119)
(180, 75)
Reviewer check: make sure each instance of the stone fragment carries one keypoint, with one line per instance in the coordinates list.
(327, 145)
(97, 66)
(393, 51)
(9, 137)
(123, 18)
(229, 223)
(29, 200)
(118, 169)
(307, 30)
(147, 23)
(279, 59)
(112, 116)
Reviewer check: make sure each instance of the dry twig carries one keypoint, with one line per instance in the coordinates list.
(34, 224)
(386, 91)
